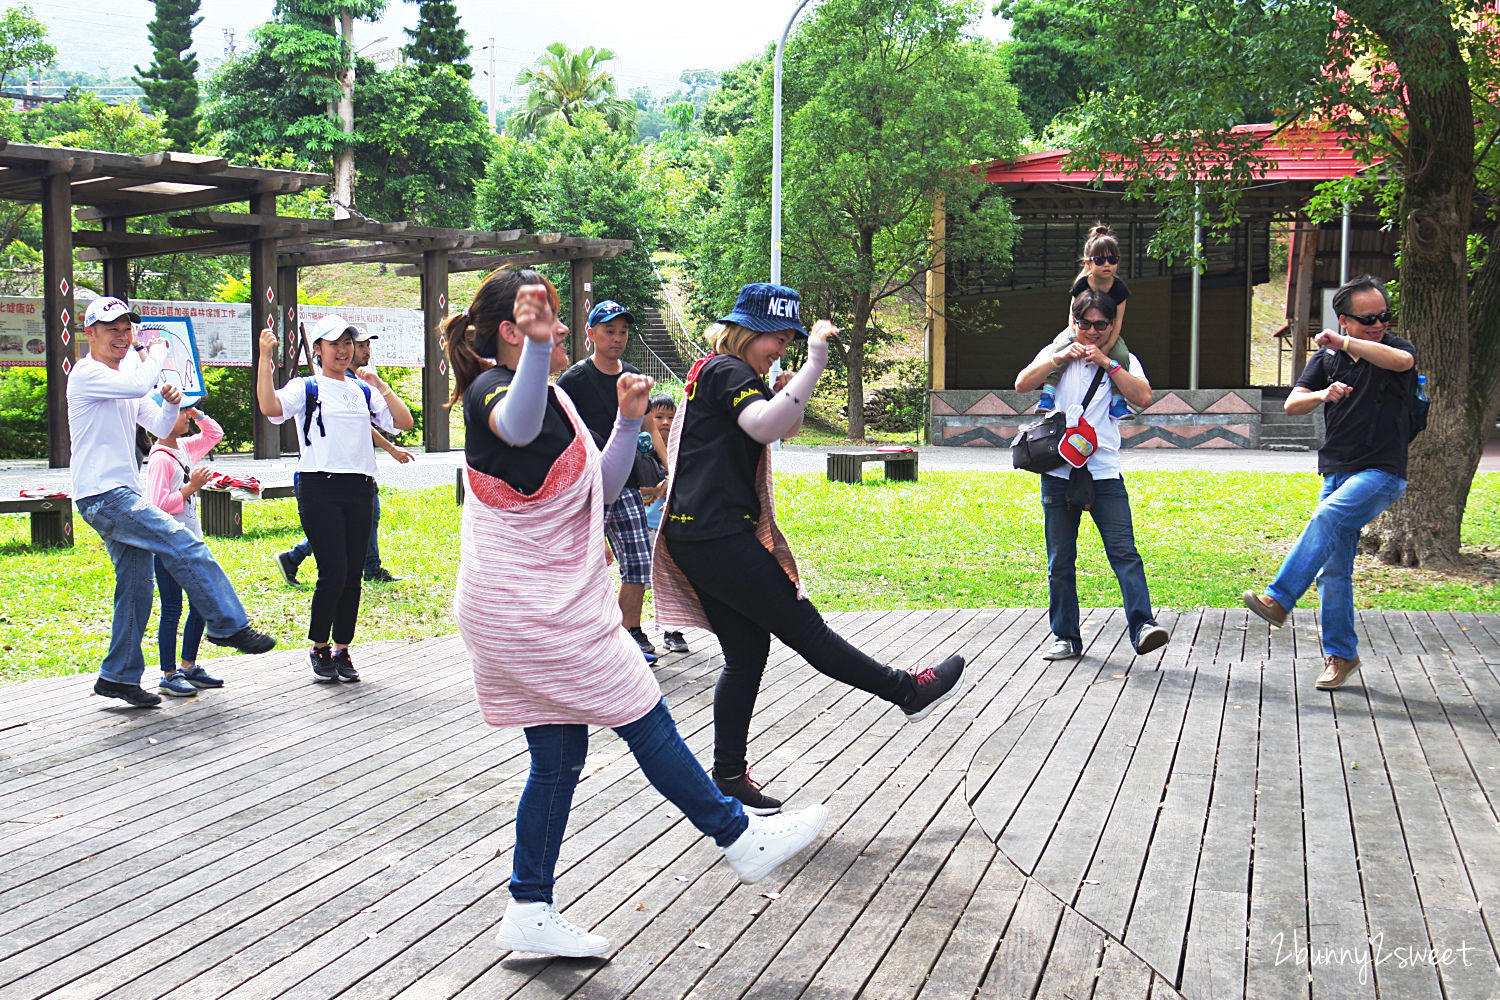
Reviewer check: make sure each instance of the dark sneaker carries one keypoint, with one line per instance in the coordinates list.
(747, 790)
(1153, 637)
(287, 563)
(381, 575)
(344, 667)
(321, 660)
(1062, 649)
(198, 677)
(133, 694)
(641, 640)
(674, 642)
(177, 685)
(246, 640)
(934, 684)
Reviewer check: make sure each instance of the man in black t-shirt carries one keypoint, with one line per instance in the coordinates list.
(1364, 376)
(591, 385)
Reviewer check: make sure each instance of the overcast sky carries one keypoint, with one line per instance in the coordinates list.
(653, 40)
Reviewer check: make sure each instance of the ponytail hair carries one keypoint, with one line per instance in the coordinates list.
(1100, 242)
(473, 335)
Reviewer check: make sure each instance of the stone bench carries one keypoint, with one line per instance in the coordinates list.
(51, 519)
(848, 466)
(222, 513)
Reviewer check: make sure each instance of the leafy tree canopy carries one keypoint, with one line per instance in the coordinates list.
(424, 145)
(1413, 84)
(564, 83)
(171, 81)
(23, 43)
(886, 105)
(439, 40)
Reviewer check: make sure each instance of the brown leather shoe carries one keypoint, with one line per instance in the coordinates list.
(1336, 671)
(1265, 607)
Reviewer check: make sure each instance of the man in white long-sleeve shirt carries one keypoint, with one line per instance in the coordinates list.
(105, 403)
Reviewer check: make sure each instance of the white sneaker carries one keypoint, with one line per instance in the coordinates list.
(770, 840)
(539, 928)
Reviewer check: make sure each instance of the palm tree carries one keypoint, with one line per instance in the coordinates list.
(564, 83)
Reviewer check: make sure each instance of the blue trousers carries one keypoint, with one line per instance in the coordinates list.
(134, 531)
(171, 613)
(557, 755)
(1326, 549)
(1111, 513)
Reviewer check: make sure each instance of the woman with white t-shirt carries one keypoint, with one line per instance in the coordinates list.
(335, 477)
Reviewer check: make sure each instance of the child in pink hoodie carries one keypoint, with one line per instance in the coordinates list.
(171, 482)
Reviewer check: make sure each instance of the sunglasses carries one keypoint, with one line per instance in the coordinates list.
(1099, 324)
(1371, 319)
(1101, 259)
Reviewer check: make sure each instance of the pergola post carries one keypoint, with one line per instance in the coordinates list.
(581, 300)
(291, 343)
(1305, 260)
(264, 312)
(435, 371)
(117, 270)
(57, 307)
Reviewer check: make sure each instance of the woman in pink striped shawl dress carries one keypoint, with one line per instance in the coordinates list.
(537, 612)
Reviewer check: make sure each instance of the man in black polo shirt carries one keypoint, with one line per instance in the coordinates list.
(590, 384)
(1365, 379)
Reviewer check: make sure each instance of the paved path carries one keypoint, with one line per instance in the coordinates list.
(1201, 823)
(437, 469)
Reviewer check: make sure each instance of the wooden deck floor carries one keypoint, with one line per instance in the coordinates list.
(1200, 823)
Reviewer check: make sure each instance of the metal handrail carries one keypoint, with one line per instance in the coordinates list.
(679, 335)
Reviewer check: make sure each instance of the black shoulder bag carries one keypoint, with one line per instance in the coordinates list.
(1035, 448)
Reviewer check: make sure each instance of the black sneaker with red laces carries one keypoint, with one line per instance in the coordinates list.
(934, 684)
(747, 790)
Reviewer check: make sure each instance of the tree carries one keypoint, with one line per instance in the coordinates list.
(438, 41)
(887, 103)
(23, 42)
(424, 143)
(1054, 55)
(295, 88)
(731, 106)
(1413, 82)
(563, 83)
(171, 81)
(584, 179)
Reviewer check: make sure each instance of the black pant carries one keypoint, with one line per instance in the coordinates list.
(748, 598)
(335, 508)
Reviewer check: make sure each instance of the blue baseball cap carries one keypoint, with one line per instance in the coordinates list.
(767, 308)
(606, 311)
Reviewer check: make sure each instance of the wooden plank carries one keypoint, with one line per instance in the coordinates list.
(1073, 963)
(1021, 958)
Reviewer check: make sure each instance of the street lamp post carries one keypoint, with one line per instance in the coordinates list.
(776, 153)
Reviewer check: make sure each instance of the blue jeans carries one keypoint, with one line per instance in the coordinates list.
(171, 613)
(1326, 548)
(303, 549)
(1111, 514)
(557, 755)
(134, 530)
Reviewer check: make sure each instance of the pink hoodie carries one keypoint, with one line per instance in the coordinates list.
(166, 470)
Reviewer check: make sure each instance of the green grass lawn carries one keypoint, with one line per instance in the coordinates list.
(953, 540)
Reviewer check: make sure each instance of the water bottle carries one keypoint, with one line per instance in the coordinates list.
(1422, 388)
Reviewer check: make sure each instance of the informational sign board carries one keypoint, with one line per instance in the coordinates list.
(222, 330)
(182, 367)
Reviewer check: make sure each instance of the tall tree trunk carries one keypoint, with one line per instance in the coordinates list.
(343, 162)
(1437, 205)
(854, 355)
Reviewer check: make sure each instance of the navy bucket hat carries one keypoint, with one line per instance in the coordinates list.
(767, 308)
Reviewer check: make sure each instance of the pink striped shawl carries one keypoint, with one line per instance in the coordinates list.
(672, 595)
(535, 605)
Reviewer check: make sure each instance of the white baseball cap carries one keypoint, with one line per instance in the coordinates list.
(106, 308)
(332, 327)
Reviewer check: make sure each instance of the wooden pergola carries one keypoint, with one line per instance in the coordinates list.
(112, 188)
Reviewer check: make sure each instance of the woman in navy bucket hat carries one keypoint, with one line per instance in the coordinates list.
(720, 561)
